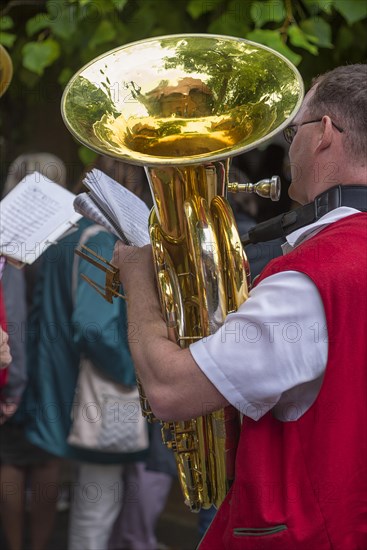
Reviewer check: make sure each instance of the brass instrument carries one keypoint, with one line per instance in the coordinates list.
(182, 106)
(6, 70)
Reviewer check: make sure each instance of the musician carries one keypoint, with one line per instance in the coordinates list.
(293, 358)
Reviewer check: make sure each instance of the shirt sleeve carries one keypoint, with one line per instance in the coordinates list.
(276, 341)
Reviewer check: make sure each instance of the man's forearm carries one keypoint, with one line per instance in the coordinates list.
(175, 386)
(153, 353)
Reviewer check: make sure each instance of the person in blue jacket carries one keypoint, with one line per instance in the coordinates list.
(59, 330)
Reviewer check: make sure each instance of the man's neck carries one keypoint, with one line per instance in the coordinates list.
(352, 195)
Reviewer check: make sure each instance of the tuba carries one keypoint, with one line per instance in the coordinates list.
(6, 70)
(182, 106)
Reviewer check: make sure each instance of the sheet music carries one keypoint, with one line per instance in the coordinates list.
(33, 215)
(87, 208)
(121, 205)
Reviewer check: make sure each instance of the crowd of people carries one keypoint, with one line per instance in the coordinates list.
(115, 500)
(301, 477)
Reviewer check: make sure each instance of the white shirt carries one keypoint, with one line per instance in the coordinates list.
(272, 352)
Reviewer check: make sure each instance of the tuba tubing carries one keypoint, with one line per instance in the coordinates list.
(197, 292)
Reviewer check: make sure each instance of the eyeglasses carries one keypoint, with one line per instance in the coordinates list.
(291, 130)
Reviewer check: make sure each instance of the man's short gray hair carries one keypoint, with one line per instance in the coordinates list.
(342, 95)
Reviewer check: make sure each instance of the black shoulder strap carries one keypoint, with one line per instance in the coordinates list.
(354, 196)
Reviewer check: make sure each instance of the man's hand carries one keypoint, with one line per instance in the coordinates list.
(7, 410)
(5, 357)
(135, 265)
(174, 385)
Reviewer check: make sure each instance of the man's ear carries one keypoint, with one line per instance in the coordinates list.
(326, 134)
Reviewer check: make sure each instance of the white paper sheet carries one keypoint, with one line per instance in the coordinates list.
(123, 207)
(33, 216)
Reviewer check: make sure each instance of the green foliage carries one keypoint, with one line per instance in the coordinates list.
(97, 105)
(71, 32)
(300, 39)
(351, 10)
(196, 8)
(87, 156)
(7, 38)
(267, 12)
(39, 55)
(318, 31)
(274, 40)
(49, 40)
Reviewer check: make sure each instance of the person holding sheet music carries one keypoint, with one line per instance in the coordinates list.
(22, 462)
(58, 332)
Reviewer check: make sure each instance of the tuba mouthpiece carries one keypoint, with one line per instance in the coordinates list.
(267, 188)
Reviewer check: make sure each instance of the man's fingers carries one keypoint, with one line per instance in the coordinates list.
(120, 251)
(6, 411)
(4, 337)
(5, 357)
(124, 254)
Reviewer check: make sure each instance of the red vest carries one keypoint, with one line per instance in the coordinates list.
(303, 485)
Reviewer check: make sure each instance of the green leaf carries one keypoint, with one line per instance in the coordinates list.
(318, 31)
(65, 76)
(6, 23)
(63, 22)
(7, 39)
(299, 39)
(37, 23)
(274, 40)
(235, 21)
(87, 156)
(263, 12)
(349, 43)
(105, 32)
(54, 8)
(230, 23)
(351, 10)
(98, 8)
(119, 4)
(345, 38)
(315, 6)
(39, 55)
(196, 8)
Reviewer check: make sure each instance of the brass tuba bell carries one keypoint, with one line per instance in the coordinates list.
(182, 106)
(6, 70)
